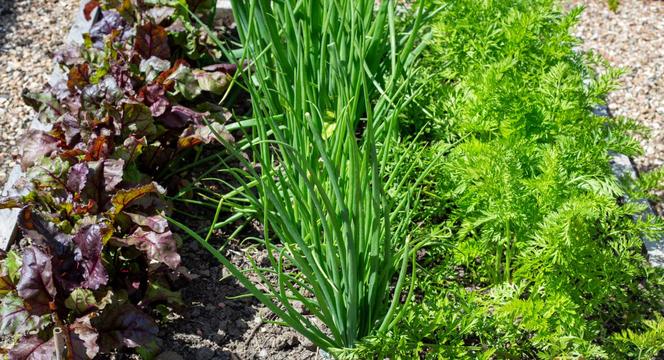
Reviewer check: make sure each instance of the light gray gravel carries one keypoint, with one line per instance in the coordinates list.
(30, 31)
(632, 38)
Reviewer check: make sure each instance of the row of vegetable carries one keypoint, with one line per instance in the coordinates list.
(430, 182)
(137, 98)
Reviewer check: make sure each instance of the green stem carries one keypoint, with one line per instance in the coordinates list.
(499, 259)
(508, 253)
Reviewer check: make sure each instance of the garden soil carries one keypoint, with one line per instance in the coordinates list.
(215, 325)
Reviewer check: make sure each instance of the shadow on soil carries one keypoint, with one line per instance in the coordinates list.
(7, 18)
(215, 325)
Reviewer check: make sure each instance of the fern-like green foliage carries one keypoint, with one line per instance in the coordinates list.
(537, 254)
(645, 344)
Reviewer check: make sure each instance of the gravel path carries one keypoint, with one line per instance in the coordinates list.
(632, 38)
(30, 31)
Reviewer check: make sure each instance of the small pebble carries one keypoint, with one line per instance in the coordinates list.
(219, 336)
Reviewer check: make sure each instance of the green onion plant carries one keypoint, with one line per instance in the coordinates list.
(328, 80)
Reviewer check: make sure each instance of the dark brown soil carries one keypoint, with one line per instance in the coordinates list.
(212, 326)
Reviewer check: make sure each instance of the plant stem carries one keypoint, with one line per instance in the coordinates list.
(508, 252)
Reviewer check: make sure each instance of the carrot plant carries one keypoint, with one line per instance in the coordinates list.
(328, 80)
(540, 253)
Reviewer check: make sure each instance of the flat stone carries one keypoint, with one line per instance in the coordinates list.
(622, 167)
(8, 217)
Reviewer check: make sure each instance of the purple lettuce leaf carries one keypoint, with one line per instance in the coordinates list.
(66, 272)
(124, 325)
(70, 128)
(33, 348)
(111, 20)
(38, 144)
(113, 170)
(83, 337)
(88, 255)
(16, 318)
(159, 247)
(68, 55)
(123, 78)
(89, 184)
(153, 95)
(204, 134)
(137, 120)
(78, 177)
(179, 116)
(36, 285)
(58, 90)
(156, 223)
(176, 27)
(44, 233)
(152, 40)
(154, 239)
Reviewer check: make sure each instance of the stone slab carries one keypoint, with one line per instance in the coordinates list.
(8, 217)
(623, 167)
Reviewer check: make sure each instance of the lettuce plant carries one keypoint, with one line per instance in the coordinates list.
(97, 249)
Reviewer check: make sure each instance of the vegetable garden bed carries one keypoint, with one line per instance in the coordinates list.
(365, 178)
